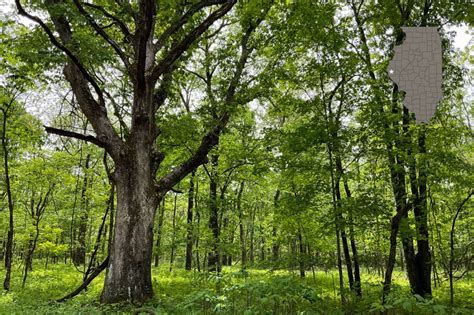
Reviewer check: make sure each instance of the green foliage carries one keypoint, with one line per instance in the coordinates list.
(315, 93)
(235, 291)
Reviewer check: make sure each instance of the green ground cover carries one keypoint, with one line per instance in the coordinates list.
(233, 292)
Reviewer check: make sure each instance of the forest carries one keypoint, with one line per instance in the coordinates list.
(232, 157)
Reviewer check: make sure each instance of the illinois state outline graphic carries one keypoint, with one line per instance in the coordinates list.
(417, 70)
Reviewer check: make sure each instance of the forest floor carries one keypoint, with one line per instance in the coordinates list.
(234, 292)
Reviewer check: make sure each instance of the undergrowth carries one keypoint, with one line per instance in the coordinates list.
(233, 292)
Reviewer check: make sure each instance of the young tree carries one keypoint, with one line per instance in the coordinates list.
(19, 131)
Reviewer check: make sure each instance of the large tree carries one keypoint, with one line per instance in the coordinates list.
(143, 40)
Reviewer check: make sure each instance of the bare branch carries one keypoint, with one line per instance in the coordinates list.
(196, 74)
(72, 134)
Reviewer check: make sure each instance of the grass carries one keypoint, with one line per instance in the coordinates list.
(234, 292)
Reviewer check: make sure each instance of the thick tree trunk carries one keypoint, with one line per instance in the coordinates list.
(129, 270)
(189, 237)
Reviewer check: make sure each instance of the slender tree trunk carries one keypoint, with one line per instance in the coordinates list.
(198, 223)
(402, 261)
(275, 245)
(189, 221)
(29, 254)
(355, 255)
(341, 223)
(225, 226)
(231, 243)
(262, 244)
(336, 225)
(339, 267)
(102, 231)
(173, 238)
(159, 233)
(213, 262)
(2, 251)
(397, 176)
(9, 245)
(252, 235)
(409, 253)
(451, 247)
(423, 256)
(301, 255)
(79, 256)
(243, 247)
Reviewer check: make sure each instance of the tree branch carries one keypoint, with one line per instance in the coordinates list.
(72, 134)
(104, 35)
(120, 23)
(182, 20)
(86, 282)
(63, 48)
(143, 39)
(212, 137)
(179, 48)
